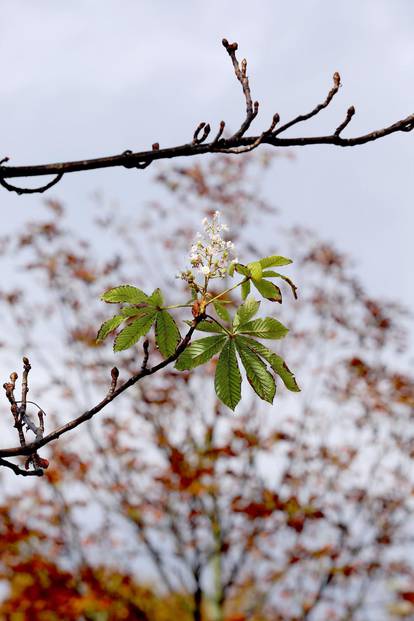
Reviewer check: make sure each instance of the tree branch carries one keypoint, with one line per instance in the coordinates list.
(38, 472)
(113, 393)
(236, 144)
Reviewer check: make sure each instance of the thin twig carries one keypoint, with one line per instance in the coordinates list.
(241, 74)
(43, 188)
(349, 114)
(219, 133)
(146, 355)
(304, 117)
(38, 472)
(197, 139)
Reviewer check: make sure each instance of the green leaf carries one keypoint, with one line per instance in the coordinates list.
(231, 269)
(259, 377)
(130, 335)
(221, 311)
(268, 290)
(124, 293)
(274, 261)
(271, 274)
(246, 311)
(227, 381)
(277, 363)
(207, 326)
(200, 352)
(156, 298)
(108, 326)
(245, 289)
(167, 335)
(266, 328)
(133, 311)
(255, 269)
(242, 269)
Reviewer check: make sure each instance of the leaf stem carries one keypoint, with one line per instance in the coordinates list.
(227, 290)
(219, 324)
(176, 306)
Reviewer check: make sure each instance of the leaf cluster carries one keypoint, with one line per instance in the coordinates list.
(140, 312)
(233, 339)
(239, 341)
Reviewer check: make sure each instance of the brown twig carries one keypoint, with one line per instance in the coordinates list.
(114, 381)
(241, 74)
(304, 117)
(349, 114)
(38, 472)
(146, 355)
(18, 410)
(219, 133)
(43, 188)
(31, 448)
(196, 138)
(236, 144)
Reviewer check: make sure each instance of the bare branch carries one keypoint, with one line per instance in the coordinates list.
(240, 71)
(236, 144)
(43, 188)
(30, 449)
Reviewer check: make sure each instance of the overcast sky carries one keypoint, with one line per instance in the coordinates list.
(95, 77)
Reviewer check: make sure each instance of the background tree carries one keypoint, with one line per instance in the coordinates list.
(301, 511)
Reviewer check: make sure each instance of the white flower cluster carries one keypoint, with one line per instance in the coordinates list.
(210, 253)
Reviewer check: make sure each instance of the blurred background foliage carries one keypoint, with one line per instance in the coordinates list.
(167, 505)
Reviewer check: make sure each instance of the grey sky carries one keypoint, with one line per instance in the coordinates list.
(83, 79)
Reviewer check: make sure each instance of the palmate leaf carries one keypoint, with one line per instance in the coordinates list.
(156, 298)
(221, 311)
(277, 363)
(245, 289)
(268, 290)
(108, 326)
(167, 335)
(258, 376)
(242, 269)
(124, 294)
(139, 327)
(255, 269)
(227, 380)
(274, 261)
(246, 311)
(200, 352)
(207, 326)
(263, 328)
(134, 311)
(272, 274)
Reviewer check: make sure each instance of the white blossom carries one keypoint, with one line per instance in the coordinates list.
(210, 253)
